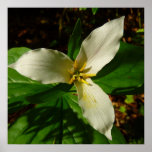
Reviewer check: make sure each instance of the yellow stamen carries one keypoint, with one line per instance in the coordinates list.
(88, 75)
(83, 81)
(82, 68)
(75, 64)
(72, 79)
(79, 74)
(84, 75)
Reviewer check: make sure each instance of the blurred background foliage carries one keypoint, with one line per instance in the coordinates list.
(52, 27)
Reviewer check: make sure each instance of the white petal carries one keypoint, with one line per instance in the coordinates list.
(100, 47)
(44, 65)
(97, 107)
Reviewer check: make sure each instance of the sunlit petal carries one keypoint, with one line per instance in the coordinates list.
(44, 65)
(100, 47)
(97, 107)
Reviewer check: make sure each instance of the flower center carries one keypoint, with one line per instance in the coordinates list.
(78, 74)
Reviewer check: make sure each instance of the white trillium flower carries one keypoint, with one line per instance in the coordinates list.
(98, 49)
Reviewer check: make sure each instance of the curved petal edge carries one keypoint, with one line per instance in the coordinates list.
(100, 47)
(97, 107)
(44, 65)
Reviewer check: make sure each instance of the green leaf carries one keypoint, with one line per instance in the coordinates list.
(94, 10)
(129, 99)
(125, 73)
(141, 30)
(72, 100)
(75, 41)
(20, 86)
(16, 106)
(51, 94)
(122, 109)
(15, 53)
(52, 123)
(57, 122)
(141, 109)
(117, 137)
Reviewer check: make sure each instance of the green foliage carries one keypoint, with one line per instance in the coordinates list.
(138, 38)
(73, 103)
(56, 123)
(117, 137)
(82, 9)
(122, 109)
(137, 141)
(141, 30)
(14, 106)
(51, 94)
(75, 41)
(129, 99)
(94, 10)
(15, 53)
(125, 73)
(141, 109)
(20, 86)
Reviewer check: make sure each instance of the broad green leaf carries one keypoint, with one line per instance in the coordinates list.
(72, 100)
(75, 41)
(94, 10)
(52, 124)
(125, 73)
(51, 95)
(20, 86)
(15, 53)
(57, 122)
(14, 106)
(117, 137)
